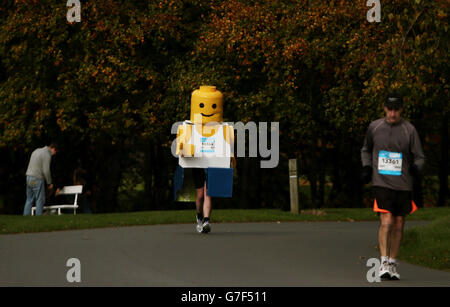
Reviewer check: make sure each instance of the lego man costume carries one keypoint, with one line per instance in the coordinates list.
(205, 144)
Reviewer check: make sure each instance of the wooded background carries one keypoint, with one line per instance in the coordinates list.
(109, 88)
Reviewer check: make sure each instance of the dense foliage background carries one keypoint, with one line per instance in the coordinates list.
(109, 88)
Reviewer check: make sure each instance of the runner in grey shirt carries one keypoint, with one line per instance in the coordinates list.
(391, 155)
(396, 143)
(38, 172)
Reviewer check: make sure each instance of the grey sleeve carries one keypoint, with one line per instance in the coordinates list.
(366, 150)
(417, 151)
(46, 168)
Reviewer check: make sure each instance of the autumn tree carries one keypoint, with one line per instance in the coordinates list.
(110, 87)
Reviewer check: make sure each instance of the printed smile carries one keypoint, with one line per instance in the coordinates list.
(207, 115)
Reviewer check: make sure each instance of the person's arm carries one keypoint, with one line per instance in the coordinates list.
(228, 135)
(417, 152)
(46, 159)
(366, 150)
(183, 136)
(366, 156)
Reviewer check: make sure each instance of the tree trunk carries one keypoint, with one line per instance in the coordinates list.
(148, 174)
(335, 178)
(109, 176)
(443, 169)
(161, 176)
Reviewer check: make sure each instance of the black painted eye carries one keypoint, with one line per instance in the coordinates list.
(214, 106)
(202, 105)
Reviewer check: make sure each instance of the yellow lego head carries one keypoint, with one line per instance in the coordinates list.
(206, 105)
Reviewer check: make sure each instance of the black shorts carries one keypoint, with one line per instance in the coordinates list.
(399, 203)
(199, 177)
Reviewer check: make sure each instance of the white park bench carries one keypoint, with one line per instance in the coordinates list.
(67, 190)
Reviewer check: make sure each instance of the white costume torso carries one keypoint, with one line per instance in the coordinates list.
(212, 151)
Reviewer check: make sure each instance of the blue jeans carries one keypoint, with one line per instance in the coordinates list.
(35, 193)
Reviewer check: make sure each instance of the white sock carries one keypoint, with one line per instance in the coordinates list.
(392, 260)
(384, 259)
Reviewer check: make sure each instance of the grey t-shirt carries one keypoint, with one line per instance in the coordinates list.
(39, 165)
(391, 149)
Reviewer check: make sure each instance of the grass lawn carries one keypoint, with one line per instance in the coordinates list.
(24, 224)
(427, 245)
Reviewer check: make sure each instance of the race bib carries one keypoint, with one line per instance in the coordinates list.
(390, 163)
(208, 144)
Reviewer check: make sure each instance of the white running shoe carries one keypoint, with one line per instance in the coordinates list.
(206, 227)
(393, 271)
(385, 270)
(199, 226)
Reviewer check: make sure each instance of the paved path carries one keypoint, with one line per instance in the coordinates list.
(247, 254)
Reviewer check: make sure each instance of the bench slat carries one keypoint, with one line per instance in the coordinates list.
(71, 189)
